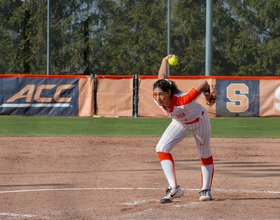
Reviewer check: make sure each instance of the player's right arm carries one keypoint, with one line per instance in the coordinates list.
(162, 73)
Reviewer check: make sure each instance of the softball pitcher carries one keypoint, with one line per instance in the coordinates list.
(187, 115)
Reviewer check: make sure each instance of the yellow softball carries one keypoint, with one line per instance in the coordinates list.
(173, 61)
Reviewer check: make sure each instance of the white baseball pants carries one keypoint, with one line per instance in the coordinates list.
(174, 134)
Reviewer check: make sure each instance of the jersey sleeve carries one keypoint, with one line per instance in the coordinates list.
(187, 98)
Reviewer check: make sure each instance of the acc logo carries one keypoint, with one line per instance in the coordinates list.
(28, 92)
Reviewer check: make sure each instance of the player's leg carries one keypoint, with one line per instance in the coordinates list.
(174, 133)
(202, 137)
(207, 172)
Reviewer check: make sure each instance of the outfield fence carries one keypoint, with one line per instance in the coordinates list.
(130, 96)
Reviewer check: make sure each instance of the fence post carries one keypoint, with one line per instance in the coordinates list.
(135, 95)
(95, 94)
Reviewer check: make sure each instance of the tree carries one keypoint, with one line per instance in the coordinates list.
(249, 28)
(124, 37)
(9, 33)
(133, 37)
(188, 36)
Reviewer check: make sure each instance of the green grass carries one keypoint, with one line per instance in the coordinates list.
(246, 127)
(100, 126)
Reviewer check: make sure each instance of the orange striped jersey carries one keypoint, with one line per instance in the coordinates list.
(184, 107)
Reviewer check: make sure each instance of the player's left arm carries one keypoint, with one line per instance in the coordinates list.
(202, 86)
(210, 96)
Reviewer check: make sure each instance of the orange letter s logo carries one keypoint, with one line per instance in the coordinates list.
(235, 98)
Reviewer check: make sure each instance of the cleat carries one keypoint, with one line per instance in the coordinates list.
(205, 195)
(172, 194)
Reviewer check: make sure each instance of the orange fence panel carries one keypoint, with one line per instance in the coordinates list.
(114, 96)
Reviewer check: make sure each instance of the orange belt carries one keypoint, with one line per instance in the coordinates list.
(195, 121)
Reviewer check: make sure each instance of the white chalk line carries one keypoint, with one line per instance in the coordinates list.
(18, 215)
(137, 188)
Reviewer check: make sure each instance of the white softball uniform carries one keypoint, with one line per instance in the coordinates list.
(187, 115)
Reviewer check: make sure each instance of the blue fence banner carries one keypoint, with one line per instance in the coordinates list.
(238, 98)
(39, 96)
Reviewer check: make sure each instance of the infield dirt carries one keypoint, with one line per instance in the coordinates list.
(121, 178)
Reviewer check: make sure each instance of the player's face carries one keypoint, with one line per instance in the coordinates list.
(162, 98)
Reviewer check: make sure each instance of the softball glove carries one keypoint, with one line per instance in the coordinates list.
(213, 96)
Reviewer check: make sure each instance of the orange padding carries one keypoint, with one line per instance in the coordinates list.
(214, 77)
(206, 161)
(114, 77)
(165, 156)
(42, 76)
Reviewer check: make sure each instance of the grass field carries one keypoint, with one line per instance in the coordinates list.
(100, 126)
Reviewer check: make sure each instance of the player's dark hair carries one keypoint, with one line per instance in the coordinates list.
(166, 85)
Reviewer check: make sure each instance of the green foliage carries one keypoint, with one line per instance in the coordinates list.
(188, 36)
(124, 37)
(133, 38)
(250, 44)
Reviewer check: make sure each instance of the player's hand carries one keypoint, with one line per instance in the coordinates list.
(212, 98)
(169, 56)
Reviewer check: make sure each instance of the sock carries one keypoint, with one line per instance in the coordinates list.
(168, 167)
(207, 172)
